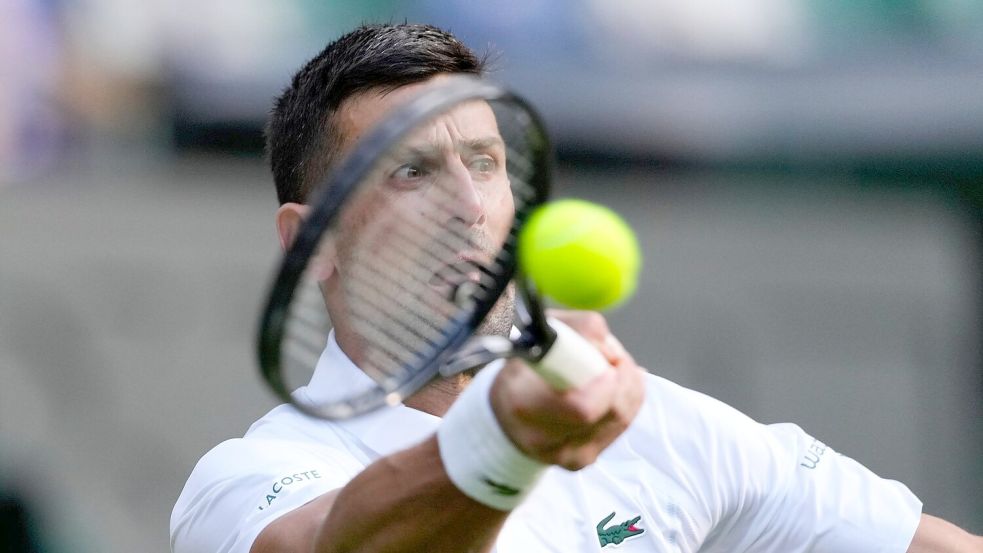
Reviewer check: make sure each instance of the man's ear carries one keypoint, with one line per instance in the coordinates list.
(288, 220)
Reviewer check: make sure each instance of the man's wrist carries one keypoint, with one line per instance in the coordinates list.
(478, 457)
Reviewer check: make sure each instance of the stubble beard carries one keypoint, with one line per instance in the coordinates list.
(498, 322)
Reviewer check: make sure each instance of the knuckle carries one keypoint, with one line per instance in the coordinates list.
(583, 412)
(536, 444)
(522, 411)
(594, 323)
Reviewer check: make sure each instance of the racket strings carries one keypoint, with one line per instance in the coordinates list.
(413, 273)
(309, 310)
(395, 306)
(417, 264)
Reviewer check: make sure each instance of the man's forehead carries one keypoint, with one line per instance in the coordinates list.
(361, 112)
(364, 110)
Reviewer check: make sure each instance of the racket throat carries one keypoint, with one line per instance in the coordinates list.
(477, 352)
(534, 340)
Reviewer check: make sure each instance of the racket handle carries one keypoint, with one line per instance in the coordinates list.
(572, 361)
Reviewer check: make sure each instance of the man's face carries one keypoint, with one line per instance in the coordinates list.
(433, 207)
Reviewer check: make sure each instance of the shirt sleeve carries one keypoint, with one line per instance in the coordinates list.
(802, 496)
(833, 504)
(767, 488)
(242, 485)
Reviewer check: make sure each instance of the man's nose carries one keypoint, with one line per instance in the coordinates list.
(467, 205)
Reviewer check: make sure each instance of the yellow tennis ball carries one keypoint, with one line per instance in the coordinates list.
(580, 254)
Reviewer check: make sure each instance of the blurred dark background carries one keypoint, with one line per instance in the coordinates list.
(806, 178)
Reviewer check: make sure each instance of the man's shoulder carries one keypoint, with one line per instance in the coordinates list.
(667, 398)
(281, 435)
(241, 483)
(288, 427)
(240, 454)
(282, 442)
(284, 421)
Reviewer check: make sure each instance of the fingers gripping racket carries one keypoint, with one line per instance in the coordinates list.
(410, 245)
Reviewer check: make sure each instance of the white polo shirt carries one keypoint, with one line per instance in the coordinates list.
(690, 474)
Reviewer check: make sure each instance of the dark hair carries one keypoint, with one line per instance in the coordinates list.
(300, 135)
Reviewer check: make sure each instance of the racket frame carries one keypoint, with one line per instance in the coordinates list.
(330, 198)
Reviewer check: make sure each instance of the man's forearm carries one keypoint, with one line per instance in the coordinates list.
(935, 535)
(406, 502)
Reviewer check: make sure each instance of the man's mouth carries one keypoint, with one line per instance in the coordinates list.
(458, 280)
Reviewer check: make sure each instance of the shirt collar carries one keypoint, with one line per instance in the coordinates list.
(384, 431)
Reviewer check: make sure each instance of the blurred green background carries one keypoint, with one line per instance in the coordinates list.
(806, 179)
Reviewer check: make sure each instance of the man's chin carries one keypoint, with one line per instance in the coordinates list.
(501, 318)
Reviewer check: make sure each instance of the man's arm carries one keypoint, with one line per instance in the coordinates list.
(404, 502)
(935, 535)
(407, 502)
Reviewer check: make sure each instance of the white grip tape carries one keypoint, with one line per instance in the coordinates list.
(572, 361)
(478, 457)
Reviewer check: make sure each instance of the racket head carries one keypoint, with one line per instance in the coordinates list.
(409, 278)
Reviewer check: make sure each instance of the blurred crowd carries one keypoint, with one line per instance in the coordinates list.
(78, 77)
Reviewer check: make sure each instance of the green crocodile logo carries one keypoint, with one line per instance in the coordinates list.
(614, 535)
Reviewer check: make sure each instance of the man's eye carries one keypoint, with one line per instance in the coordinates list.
(483, 165)
(408, 172)
(410, 176)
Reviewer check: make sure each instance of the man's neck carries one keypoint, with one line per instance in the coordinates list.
(436, 398)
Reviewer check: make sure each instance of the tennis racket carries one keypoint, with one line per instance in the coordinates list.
(410, 245)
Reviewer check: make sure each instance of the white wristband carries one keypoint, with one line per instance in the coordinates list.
(478, 457)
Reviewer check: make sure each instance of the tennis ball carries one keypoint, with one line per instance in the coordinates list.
(580, 254)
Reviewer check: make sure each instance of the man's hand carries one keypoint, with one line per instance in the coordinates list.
(570, 428)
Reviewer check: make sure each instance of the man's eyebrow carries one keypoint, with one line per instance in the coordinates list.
(428, 149)
(483, 143)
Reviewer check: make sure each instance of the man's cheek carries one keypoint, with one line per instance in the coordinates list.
(502, 217)
(322, 267)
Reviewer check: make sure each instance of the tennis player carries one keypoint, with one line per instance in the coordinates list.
(501, 461)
